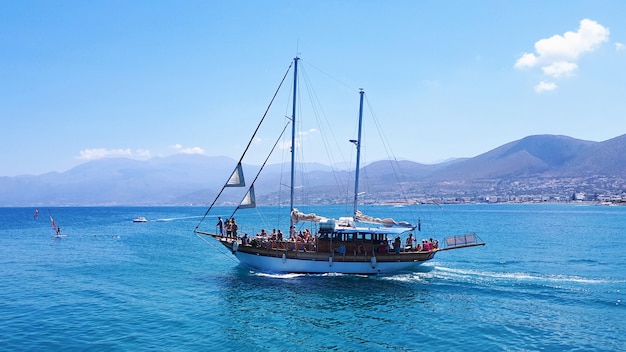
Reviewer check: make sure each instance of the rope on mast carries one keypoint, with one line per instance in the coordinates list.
(249, 143)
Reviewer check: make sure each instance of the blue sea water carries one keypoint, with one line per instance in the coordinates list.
(551, 277)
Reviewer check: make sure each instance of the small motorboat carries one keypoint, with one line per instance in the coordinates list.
(140, 219)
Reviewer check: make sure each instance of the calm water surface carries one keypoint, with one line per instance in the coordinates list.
(552, 277)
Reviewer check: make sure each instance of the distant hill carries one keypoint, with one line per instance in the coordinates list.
(195, 179)
(541, 156)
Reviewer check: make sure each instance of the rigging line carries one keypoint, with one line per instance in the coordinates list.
(324, 125)
(319, 113)
(219, 249)
(262, 166)
(394, 165)
(249, 142)
(331, 77)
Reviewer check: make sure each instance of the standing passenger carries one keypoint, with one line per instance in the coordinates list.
(229, 227)
(220, 226)
(234, 227)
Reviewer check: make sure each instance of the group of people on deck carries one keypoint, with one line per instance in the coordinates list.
(302, 240)
(228, 228)
(305, 240)
(426, 245)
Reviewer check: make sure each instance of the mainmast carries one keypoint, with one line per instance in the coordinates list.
(293, 139)
(357, 142)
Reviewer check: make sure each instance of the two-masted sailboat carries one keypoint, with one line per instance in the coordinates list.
(356, 244)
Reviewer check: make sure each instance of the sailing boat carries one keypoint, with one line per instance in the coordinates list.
(357, 244)
(56, 228)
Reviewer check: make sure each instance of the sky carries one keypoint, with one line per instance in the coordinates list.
(82, 80)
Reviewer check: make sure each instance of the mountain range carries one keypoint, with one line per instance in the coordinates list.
(196, 179)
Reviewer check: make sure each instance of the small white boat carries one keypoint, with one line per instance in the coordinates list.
(140, 219)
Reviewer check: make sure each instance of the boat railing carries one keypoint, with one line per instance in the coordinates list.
(462, 241)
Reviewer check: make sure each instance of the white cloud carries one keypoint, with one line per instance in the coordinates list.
(304, 133)
(100, 153)
(143, 153)
(560, 69)
(189, 150)
(619, 46)
(526, 61)
(544, 86)
(557, 55)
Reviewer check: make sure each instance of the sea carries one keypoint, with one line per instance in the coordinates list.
(551, 277)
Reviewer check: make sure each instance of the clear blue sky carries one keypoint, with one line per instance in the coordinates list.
(86, 79)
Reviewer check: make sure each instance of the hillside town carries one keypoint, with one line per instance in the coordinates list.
(601, 190)
(592, 190)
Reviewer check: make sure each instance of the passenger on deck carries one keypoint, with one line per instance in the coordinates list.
(308, 238)
(229, 228)
(396, 244)
(245, 240)
(220, 226)
(426, 245)
(234, 227)
(382, 248)
(409, 241)
(279, 235)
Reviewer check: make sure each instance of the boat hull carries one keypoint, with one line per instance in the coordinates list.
(312, 266)
(291, 261)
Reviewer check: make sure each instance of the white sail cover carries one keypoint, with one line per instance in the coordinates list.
(387, 221)
(297, 216)
(236, 179)
(248, 201)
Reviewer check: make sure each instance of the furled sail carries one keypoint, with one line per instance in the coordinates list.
(387, 221)
(297, 216)
(236, 179)
(248, 201)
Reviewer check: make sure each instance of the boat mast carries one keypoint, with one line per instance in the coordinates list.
(358, 153)
(293, 139)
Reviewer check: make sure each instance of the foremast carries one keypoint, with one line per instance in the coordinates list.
(293, 141)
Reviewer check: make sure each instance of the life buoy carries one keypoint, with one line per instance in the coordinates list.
(373, 262)
(284, 257)
(330, 261)
(235, 246)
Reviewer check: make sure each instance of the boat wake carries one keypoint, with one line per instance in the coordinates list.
(454, 273)
(277, 275)
(179, 218)
(297, 275)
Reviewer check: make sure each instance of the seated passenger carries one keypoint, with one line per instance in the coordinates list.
(409, 241)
